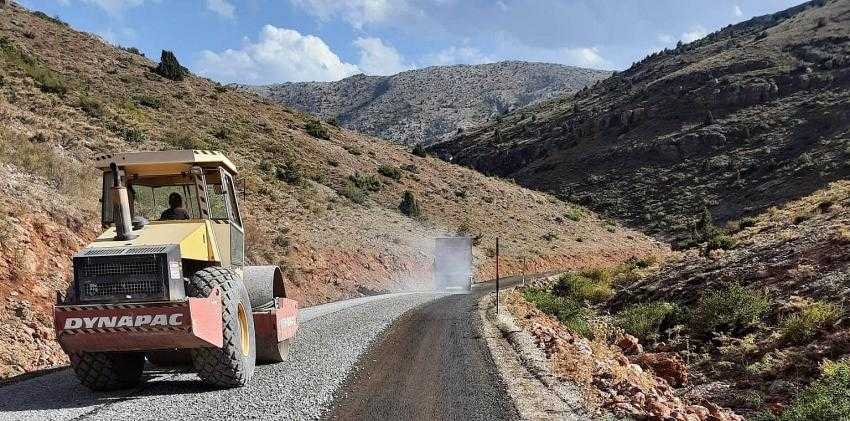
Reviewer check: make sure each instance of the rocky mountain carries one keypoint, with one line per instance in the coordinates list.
(320, 201)
(425, 105)
(749, 117)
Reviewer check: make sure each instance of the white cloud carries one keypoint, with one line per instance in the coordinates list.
(356, 12)
(736, 10)
(222, 8)
(457, 55)
(584, 57)
(667, 39)
(279, 55)
(377, 58)
(696, 32)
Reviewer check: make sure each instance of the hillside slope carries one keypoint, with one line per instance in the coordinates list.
(793, 265)
(314, 200)
(750, 116)
(426, 105)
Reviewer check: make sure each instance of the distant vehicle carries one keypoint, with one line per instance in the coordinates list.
(175, 290)
(453, 263)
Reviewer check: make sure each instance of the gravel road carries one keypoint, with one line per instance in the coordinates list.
(330, 340)
(432, 363)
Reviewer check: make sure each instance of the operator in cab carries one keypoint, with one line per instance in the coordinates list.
(175, 209)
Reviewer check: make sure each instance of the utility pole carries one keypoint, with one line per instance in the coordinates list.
(497, 276)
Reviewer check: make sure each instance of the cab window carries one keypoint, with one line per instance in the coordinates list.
(232, 203)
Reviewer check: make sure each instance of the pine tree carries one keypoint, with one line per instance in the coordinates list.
(170, 68)
(408, 205)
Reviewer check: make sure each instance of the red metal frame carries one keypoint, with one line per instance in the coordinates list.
(193, 323)
(278, 324)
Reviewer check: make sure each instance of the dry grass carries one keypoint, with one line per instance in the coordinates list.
(64, 173)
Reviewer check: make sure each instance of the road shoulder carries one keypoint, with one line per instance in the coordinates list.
(534, 390)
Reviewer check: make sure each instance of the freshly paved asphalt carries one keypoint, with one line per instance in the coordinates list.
(433, 364)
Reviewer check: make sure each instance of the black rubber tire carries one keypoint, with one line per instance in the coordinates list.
(103, 371)
(227, 366)
(274, 353)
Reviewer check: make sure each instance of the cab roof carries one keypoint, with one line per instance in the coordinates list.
(164, 162)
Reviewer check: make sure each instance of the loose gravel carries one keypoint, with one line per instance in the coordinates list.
(330, 340)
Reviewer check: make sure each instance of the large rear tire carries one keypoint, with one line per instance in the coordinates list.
(103, 371)
(232, 365)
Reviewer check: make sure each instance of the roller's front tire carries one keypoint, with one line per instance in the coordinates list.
(233, 364)
(103, 371)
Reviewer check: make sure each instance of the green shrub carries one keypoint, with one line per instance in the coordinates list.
(571, 313)
(133, 135)
(184, 139)
(91, 106)
(289, 170)
(746, 223)
(45, 16)
(354, 150)
(50, 82)
(594, 286)
(148, 101)
(354, 193)
(133, 50)
(728, 308)
(827, 398)
(811, 319)
(419, 150)
(409, 206)
(574, 214)
(170, 68)
(224, 133)
(281, 241)
(645, 319)
(367, 183)
(640, 263)
(316, 129)
(410, 168)
(390, 172)
(720, 241)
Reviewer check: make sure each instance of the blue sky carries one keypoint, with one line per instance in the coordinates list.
(268, 41)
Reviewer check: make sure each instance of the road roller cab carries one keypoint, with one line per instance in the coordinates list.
(167, 280)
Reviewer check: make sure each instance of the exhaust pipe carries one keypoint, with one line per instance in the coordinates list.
(120, 208)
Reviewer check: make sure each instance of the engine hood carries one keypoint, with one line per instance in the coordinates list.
(195, 238)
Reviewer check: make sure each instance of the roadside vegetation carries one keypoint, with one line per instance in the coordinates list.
(727, 330)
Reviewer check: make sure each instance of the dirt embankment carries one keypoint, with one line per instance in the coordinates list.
(592, 378)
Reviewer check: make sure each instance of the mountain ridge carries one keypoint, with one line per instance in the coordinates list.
(425, 105)
(718, 123)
